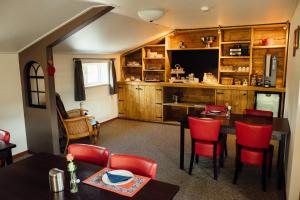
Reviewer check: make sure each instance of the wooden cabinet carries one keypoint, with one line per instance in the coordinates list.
(141, 102)
(238, 99)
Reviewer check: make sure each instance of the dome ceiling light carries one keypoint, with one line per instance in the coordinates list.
(151, 14)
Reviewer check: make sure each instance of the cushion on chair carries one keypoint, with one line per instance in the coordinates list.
(253, 157)
(206, 149)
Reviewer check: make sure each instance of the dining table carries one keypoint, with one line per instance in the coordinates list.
(28, 179)
(280, 132)
(6, 153)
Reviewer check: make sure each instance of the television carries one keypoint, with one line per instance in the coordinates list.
(196, 61)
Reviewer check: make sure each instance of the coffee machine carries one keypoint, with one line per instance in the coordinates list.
(270, 71)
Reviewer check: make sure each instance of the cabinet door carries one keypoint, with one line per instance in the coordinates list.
(239, 101)
(121, 100)
(131, 102)
(147, 102)
(158, 104)
(223, 97)
(251, 100)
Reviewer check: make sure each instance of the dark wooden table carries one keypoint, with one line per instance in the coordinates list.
(281, 131)
(5, 152)
(28, 179)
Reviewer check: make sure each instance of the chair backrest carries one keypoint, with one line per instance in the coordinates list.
(204, 129)
(253, 136)
(4, 136)
(89, 153)
(136, 164)
(215, 107)
(260, 113)
(60, 107)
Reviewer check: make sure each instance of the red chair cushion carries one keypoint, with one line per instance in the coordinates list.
(4, 136)
(260, 113)
(206, 149)
(253, 157)
(89, 153)
(135, 164)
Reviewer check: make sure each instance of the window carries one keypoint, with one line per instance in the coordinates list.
(95, 73)
(36, 85)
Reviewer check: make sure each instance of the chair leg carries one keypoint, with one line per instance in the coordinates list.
(270, 161)
(67, 144)
(215, 162)
(192, 157)
(225, 145)
(264, 172)
(221, 158)
(237, 165)
(197, 159)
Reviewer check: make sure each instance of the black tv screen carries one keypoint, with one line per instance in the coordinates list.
(196, 61)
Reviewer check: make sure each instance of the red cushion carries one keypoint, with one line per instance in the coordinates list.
(206, 149)
(135, 164)
(4, 136)
(260, 113)
(89, 153)
(253, 157)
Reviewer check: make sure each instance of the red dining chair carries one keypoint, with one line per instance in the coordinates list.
(89, 153)
(4, 136)
(253, 148)
(223, 109)
(205, 141)
(259, 113)
(136, 164)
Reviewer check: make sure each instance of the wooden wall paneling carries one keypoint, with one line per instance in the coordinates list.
(192, 39)
(251, 100)
(158, 104)
(286, 52)
(220, 32)
(278, 34)
(236, 34)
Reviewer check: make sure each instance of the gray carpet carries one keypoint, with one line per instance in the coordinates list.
(160, 142)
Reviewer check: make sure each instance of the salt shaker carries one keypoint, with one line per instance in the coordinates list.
(56, 180)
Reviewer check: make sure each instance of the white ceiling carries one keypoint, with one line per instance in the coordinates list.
(22, 22)
(110, 34)
(187, 14)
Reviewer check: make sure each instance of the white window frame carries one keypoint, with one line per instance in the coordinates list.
(102, 73)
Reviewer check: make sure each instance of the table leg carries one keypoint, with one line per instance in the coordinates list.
(9, 158)
(281, 153)
(182, 126)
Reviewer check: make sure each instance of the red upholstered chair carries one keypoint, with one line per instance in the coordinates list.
(259, 113)
(4, 136)
(205, 141)
(253, 148)
(89, 153)
(135, 164)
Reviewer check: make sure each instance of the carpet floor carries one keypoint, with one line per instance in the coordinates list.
(160, 142)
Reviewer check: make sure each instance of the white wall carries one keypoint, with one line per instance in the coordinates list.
(98, 100)
(11, 103)
(292, 111)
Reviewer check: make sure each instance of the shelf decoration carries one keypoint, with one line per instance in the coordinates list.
(296, 40)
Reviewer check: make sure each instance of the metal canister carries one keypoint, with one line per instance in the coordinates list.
(56, 180)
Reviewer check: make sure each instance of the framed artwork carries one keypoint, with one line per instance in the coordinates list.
(296, 40)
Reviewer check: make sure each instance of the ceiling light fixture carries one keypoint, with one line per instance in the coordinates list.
(204, 8)
(151, 14)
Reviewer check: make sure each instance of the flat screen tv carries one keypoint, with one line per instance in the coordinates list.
(196, 61)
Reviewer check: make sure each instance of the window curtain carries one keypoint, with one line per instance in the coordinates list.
(113, 88)
(79, 89)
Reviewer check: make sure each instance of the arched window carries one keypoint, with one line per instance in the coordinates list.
(36, 85)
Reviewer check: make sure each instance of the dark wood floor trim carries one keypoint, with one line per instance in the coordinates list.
(110, 120)
(20, 155)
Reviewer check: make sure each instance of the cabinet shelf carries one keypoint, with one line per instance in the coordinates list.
(162, 58)
(234, 72)
(269, 47)
(155, 45)
(186, 49)
(186, 105)
(132, 66)
(235, 57)
(154, 70)
(237, 42)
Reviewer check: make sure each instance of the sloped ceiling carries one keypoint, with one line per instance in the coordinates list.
(22, 22)
(110, 34)
(187, 13)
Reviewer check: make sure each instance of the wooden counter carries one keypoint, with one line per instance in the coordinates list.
(208, 86)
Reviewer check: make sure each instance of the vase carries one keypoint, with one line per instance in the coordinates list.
(73, 182)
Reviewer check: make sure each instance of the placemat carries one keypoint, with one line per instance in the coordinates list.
(129, 189)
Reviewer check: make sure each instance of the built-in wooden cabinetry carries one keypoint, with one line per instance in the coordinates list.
(140, 102)
(140, 99)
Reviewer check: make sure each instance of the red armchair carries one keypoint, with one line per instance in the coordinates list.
(259, 113)
(89, 153)
(253, 148)
(205, 141)
(135, 164)
(4, 136)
